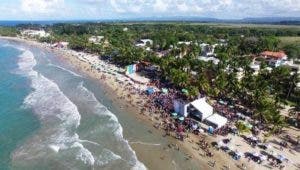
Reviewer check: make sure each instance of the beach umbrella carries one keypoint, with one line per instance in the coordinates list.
(239, 153)
(185, 91)
(164, 90)
(181, 118)
(150, 90)
(221, 143)
(221, 102)
(255, 154)
(254, 138)
(210, 129)
(268, 146)
(280, 157)
(262, 157)
(174, 114)
(230, 147)
(231, 106)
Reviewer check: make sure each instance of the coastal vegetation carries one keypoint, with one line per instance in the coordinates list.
(9, 31)
(264, 93)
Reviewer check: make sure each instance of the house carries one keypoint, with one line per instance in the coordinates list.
(144, 42)
(207, 50)
(35, 33)
(207, 59)
(96, 39)
(274, 59)
(223, 42)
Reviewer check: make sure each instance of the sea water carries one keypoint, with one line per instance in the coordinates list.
(50, 120)
(53, 117)
(16, 122)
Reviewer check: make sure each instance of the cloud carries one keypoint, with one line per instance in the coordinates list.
(99, 9)
(41, 6)
(161, 5)
(182, 7)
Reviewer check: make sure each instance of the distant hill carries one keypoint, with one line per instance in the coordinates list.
(262, 20)
(273, 20)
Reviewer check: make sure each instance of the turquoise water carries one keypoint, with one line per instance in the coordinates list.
(16, 122)
(53, 117)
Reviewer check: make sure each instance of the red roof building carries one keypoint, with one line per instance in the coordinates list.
(274, 55)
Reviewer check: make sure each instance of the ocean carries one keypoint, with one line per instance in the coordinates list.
(53, 117)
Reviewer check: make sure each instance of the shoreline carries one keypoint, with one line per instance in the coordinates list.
(110, 86)
(114, 91)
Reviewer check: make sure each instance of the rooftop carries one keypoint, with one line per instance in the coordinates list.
(277, 55)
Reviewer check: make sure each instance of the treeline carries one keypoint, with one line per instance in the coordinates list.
(9, 31)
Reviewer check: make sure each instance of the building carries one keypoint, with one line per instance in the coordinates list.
(208, 50)
(207, 59)
(96, 39)
(274, 59)
(144, 42)
(34, 33)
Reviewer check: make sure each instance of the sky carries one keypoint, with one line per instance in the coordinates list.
(130, 9)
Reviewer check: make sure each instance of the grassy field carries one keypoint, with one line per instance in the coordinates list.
(221, 25)
(289, 40)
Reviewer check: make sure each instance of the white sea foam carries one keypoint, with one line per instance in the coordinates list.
(55, 148)
(69, 71)
(106, 157)
(49, 102)
(144, 143)
(118, 130)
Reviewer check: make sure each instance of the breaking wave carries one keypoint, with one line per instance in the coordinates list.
(69, 71)
(114, 124)
(60, 118)
(50, 104)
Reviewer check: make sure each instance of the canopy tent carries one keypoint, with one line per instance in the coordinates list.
(255, 154)
(203, 107)
(150, 90)
(262, 157)
(185, 91)
(164, 90)
(174, 114)
(217, 120)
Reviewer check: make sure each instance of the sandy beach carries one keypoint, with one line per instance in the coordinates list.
(122, 96)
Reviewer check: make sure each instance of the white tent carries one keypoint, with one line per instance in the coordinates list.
(217, 120)
(204, 108)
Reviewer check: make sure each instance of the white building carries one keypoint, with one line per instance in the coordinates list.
(207, 59)
(208, 50)
(96, 39)
(34, 33)
(274, 59)
(144, 42)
